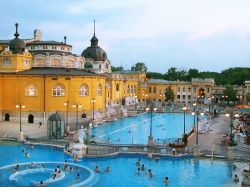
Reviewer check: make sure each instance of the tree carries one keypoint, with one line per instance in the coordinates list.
(155, 75)
(192, 73)
(140, 66)
(169, 94)
(229, 93)
(171, 74)
(114, 69)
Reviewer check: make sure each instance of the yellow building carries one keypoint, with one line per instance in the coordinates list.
(45, 77)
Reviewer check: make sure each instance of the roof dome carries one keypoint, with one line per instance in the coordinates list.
(55, 117)
(94, 51)
(17, 45)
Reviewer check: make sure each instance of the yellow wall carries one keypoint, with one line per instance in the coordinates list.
(16, 61)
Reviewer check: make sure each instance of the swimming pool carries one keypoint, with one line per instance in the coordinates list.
(184, 172)
(136, 129)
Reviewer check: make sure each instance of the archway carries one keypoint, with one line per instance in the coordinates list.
(201, 95)
(30, 118)
(7, 117)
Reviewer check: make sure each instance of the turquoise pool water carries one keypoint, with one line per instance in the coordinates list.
(136, 129)
(182, 172)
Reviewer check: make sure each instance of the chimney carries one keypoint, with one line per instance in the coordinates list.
(65, 37)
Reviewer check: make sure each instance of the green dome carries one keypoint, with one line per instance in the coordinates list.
(17, 45)
(55, 117)
(94, 51)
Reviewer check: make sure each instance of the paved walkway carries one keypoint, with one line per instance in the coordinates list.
(213, 138)
(11, 129)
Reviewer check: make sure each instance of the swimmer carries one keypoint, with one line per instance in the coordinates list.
(70, 169)
(150, 174)
(27, 155)
(15, 169)
(78, 176)
(166, 181)
(31, 147)
(107, 169)
(138, 171)
(138, 162)
(41, 183)
(66, 167)
(142, 167)
(236, 178)
(157, 158)
(32, 165)
(97, 169)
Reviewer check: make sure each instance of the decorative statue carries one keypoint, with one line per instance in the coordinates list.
(81, 135)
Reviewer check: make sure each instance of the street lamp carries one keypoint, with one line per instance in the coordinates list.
(145, 96)
(150, 137)
(193, 113)
(197, 124)
(67, 103)
(162, 98)
(93, 102)
(20, 106)
(184, 112)
(77, 106)
(231, 115)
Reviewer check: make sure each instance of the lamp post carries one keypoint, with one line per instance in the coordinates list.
(67, 103)
(145, 96)
(231, 115)
(77, 106)
(184, 112)
(93, 105)
(197, 124)
(150, 137)
(194, 109)
(20, 106)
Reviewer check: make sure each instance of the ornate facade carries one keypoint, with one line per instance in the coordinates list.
(47, 77)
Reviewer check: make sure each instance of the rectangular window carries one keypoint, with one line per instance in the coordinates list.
(178, 96)
(183, 97)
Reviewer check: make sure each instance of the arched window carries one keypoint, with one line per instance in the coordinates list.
(178, 89)
(117, 86)
(40, 63)
(88, 65)
(30, 90)
(69, 64)
(83, 90)
(189, 89)
(106, 66)
(99, 90)
(56, 63)
(183, 89)
(58, 90)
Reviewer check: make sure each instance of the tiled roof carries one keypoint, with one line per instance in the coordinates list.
(53, 71)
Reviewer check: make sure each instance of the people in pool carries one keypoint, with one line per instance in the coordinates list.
(166, 181)
(236, 178)
(97, 169)
(41, 183)
(142, 167)
(138, 171)
(107, 169)
(27, 155)
(150, 174)
(15, 169)
(78, 176)
(138, 162)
